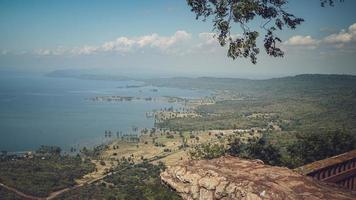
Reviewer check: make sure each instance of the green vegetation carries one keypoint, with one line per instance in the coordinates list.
(207, 151)
(132, 181)
(314, 146)
(301, 103)
(6, 194)
(44, 173)
(256, 149)
(288, 151)
(210, 122)
(303, 118)
(95, 152)
(49, 151)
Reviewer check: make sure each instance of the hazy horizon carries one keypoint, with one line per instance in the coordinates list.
(167, 75)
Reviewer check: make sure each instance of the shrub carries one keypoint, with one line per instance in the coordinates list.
(310, 147)
(207, 151)
(256, 149)
(170, 136)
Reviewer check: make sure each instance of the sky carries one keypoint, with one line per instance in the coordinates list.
(162, 38)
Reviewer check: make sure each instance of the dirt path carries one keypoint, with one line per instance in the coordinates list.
(21, 194)
(59, 192)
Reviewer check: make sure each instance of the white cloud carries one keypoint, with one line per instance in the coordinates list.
(338, 38)
(43, 52)
(163, 43)
(344, 36)
(344, 41)
(181, 43)
(300, 40)
(166, 44)
(147, 39)
(85, 50)
(121, 44)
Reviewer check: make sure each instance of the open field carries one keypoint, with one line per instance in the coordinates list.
(168, 145)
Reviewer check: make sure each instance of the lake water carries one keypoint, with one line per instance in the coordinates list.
(37, 110)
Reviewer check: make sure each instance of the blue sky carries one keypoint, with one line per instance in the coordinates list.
(162, 38)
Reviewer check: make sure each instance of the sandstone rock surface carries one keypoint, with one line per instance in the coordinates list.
(233, 178)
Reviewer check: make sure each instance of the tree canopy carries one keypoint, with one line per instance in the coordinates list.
(225, 13)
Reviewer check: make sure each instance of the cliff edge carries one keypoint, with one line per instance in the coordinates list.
(234, 178)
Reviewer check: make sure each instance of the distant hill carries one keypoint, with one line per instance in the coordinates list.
(299, 83)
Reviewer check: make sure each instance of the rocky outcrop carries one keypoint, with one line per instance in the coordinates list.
(233, 178)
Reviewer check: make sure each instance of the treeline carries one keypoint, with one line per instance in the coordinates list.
(305, 148)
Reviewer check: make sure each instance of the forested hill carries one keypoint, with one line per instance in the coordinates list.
(230, 83)
(313, 84)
